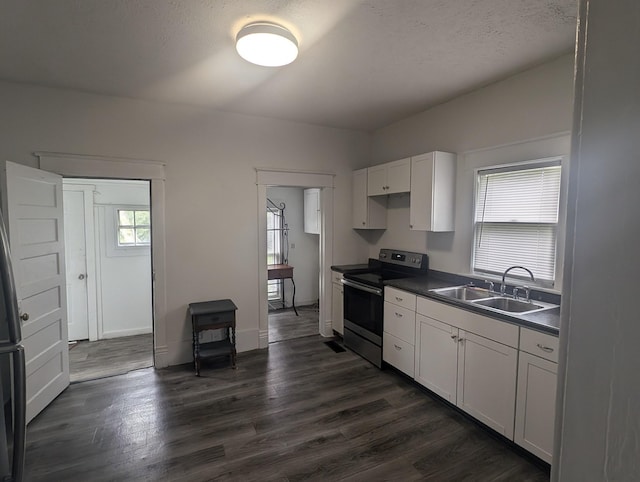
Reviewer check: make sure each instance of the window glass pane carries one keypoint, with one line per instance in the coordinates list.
(126, 236)
(516, 216)
(142, 218)
(125, 218)
(143, 236)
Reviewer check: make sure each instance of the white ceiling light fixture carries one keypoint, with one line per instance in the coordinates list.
(266, 44)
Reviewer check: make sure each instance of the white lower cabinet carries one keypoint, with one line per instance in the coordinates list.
(487, 374)
(536, 404)
(471, 371)
(398, 339)
(436, 356)
(398, 353)
(337, 303)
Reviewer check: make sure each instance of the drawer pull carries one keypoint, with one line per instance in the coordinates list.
(454, 337)
(397, 347)
(398, 298)
(548, 349)
(399, 315)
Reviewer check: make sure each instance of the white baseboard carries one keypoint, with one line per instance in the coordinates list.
(161, 359)
(121, 333)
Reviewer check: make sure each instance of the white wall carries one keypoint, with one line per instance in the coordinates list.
(524, 117)
(599, 387)
(210, 190)
(305, 256)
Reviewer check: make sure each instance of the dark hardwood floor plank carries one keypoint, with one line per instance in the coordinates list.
(296, 411)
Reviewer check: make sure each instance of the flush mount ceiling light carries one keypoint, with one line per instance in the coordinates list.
(266, 44)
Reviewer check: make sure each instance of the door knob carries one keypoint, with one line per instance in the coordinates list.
(81, 276)
(24, 316)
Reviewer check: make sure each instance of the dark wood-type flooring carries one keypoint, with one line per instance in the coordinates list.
(89, 360)
(285, 325)
(295, 411)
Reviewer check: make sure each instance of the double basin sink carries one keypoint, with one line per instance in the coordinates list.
(492, 301)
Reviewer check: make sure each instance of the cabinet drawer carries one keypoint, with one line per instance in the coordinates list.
(539, 344)
(400, 322)
(398, 353)
(400, 298)
(497, 330)
(336, 277)
(211, 319)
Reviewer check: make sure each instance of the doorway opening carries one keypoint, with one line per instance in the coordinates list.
(109, 276)
(293, 247)
(323, 183)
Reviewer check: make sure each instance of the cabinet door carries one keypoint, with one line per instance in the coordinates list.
(421, 201)
(359, 193)
(337, 308)
(368, 213)
(536, 405)
(487, 381)
(377, 180)
(432, 192)
(436, 356)
(312, 211)
(399, 176)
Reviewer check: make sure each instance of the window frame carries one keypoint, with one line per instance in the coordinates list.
(113, 247)
(133, 226)
(551, 285)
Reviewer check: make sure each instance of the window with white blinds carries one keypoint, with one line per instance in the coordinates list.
(516, 219)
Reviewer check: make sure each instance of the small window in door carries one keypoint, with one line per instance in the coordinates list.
(134, 227)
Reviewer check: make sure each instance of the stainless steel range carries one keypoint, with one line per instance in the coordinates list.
(364, 299)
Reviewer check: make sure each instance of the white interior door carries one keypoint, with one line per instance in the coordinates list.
(76, 264)
(32, 202)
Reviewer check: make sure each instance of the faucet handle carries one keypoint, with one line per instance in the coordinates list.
(515, 292)
(491, 285)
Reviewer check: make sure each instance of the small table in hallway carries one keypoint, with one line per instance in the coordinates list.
(283, 271)
(213, 315)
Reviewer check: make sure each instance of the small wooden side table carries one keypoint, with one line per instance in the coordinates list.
(213, 315)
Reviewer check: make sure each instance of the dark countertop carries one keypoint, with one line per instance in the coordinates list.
(547, 321)
(350, 268)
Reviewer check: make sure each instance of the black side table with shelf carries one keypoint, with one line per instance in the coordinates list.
(213, 315)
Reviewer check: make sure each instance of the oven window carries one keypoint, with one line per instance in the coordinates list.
(363, 309)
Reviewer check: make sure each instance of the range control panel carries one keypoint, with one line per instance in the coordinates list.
(404, 258)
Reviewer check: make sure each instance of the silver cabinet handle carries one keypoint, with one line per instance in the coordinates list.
(548, 349)
(24, 316)
(398, 298)
(399, 315)
(397, 347)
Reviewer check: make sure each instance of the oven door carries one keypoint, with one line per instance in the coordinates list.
(363, 307)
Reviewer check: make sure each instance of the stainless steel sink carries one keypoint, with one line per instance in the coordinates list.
(490, 300)
(464, 293)
(509, 305)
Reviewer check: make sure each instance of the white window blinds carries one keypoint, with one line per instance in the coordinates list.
(516, 219)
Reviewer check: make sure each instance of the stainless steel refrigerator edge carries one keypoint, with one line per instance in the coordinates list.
(12, 372)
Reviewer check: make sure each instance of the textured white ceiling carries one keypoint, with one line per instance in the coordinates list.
(363, 64)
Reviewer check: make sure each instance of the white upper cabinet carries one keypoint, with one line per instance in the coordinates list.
(368, 213)
(432, 192)
(312, 211)
(390, 178)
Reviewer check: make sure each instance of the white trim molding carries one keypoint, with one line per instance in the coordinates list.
(76, 165)
(291, 178)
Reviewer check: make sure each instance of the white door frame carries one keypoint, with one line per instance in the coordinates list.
(74, 165)
(288, 178)
(90, 250)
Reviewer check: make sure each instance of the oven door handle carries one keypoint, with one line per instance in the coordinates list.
(361, 287)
